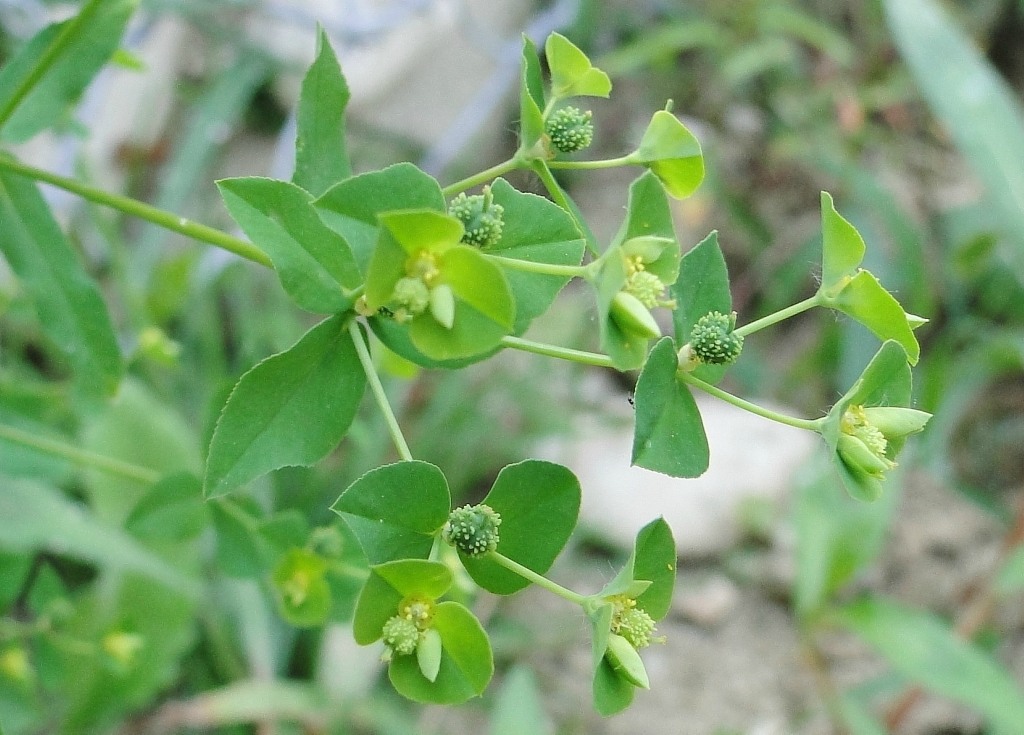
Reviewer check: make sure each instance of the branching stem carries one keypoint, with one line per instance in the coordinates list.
(483, 177)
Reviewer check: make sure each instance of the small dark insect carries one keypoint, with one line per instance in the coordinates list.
(629, 397)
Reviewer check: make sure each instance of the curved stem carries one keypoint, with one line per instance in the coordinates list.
(540, 167)
(538, 579)
(547, 269)
(483, 177)
(79, 456)
(562, 353)
(134, 207)
(591, 165)
(767, 413)
(378, 392)
(53, 51)
(779, 316)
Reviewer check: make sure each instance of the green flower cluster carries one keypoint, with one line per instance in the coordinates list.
(472, 529)
(713, 341)
(570, 129)
(480, 216)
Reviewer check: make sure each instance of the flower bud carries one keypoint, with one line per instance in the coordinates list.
(472, 529)
(570, 129)
(713, 340)
(632, 317)
(626, 661)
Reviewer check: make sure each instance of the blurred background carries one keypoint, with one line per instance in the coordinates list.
(910, 118)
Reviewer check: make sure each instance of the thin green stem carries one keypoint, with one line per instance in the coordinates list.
(591, 165)
(378, 392)
(807, 424)
(779, 316)
(540, 167)
(134, 207)
(562, 353)
(53, 51)
(547, 269)
(483, 177)
(79, 456)
(538, 579)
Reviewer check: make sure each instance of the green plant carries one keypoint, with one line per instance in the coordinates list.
(394, 261)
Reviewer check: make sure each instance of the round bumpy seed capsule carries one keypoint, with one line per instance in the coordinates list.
(472, 529)
(481, 218)
(401, 635)
(713, 340)
(570, 129)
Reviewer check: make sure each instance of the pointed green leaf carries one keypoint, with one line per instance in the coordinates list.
(536, 230)
(396, 510)
(864, 299)
(466, 667)
(539, 503)
(669, 435)
(842, 247)
(672, 153)
(928, 651)
(572, 74)
(68, 302)
(654, 560)
(291, 409)
(648, 214)
(47, 76)
(350, 208)
(390, 583)
(314, 263)
(531, 96)
(702, 287)
(38, 519)
(321, 157)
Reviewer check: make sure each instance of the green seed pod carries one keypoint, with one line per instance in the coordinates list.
(428, 654)
(713, 341)
(480, 216)
(626, 661)
(472, 529)
(401, 635)
(629, 313)
(411, 294)
(570, 129)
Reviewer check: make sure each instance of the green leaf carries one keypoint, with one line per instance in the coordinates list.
(396, 510)
(702, 287)
(321, 158)
(302, 594)
(648, 214)
(390, 583)
(654, 560)
(82, 45)
(842, 248)
(466, 661)
(864, 299)
(572, 74)
(350, 208)
(531, 97)
(612, 693)
(314, 263)
(976, 105)
(671, 152)
(928, 651)
(539, 503)
(171, 510)
(669, 435)
(242, 551)
(538, 231)
(39, 519)
(518, 710)
(1010, 578)
(836, 537)
(69, 305)
(290, 409)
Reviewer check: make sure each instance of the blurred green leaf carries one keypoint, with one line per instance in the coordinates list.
(313, 262)
(572, 74)
(539, 503)
(518, 709)
(396, 510)
(53, 69)
(669, 435)
(38, 518)
(301, 590)
(977, 106)
(925, 649)
(291, 409)
(172, 509)
(68, 302)
(1010, 578)
(242, 551)
(321, 156)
